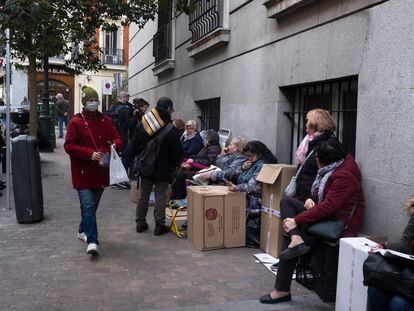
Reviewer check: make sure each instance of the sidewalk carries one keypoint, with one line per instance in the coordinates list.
(45, 267)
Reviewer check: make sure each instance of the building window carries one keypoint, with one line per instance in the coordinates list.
(338, 97)
(205, 17)
(110, 53)
(162, 38)
(163, 42)
(209, 25)
(210, 113)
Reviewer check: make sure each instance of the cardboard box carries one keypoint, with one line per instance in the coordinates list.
(351, 294)
(275, 178)
(216, 217)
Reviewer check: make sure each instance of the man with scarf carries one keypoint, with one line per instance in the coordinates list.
(168, 158)
(88, 140)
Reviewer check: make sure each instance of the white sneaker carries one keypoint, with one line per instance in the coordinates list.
(82, 237)
(92, 249)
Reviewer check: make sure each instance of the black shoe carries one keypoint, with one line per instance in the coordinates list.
(123, 185)
(161, 229)
(274, 267)
(269, 300)
(142, 227)
(293, 252)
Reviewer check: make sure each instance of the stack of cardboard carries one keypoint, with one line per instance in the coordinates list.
(216, 217)
(275, 178)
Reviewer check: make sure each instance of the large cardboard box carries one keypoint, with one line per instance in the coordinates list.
(351, 294)
(216, 217)
(275, 178)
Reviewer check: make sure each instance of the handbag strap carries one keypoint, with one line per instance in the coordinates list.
(90, 133)
(300, 168)
(352, 212)
(160, 137)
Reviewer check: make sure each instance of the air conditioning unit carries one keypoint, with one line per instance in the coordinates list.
(111, 59)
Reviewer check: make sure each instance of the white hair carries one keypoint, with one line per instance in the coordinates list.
(192, 123)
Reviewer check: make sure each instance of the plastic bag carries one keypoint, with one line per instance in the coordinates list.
(117, 172)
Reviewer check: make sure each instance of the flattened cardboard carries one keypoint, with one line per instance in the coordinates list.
(216, 217)
(275, 178)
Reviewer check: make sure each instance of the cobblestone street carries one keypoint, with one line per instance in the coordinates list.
(45, 267)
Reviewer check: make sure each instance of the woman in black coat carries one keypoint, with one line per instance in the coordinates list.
(320, 126)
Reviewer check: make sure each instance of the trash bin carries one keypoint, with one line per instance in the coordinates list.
(27, 180)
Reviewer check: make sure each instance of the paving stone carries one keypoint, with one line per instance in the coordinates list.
(45, 267)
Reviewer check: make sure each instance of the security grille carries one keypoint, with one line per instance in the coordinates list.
(210, 113)
(338, 97)
(205, 17)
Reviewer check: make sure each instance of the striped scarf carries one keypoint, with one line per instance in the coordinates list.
(152, 122)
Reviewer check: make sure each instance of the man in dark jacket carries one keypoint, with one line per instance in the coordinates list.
(168, 158)
(62, 109)
(120, 112)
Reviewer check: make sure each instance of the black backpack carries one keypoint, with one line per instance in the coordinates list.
(113, 113)
(145, 163)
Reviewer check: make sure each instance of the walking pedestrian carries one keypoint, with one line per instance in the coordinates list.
(121, 116)
(156, 124)
(88, 140)
(62, 109)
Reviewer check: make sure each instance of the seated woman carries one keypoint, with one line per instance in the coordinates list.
(207, 155)
(380, 300)
(335, 191)
(245, 176)
(191, 139)
(204, 158)
(227, 162)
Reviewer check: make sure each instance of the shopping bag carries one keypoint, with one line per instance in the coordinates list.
(117, 172)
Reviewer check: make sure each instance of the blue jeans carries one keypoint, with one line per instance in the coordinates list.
(89, 201)
(379, 300)
(61, 120)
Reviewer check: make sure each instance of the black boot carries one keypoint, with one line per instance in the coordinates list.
(161, 229)
(142, 227)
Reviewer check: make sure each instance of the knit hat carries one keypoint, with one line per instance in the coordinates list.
(164, 103)
(89, 93)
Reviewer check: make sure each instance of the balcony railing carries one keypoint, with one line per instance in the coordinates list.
(204, 18)
(112, 56)
(162, 43)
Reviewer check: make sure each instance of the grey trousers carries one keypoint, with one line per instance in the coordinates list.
(145, 188)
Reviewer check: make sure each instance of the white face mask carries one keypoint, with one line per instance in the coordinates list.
(92, 106)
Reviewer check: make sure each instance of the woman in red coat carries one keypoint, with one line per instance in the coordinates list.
(88, 140)
(335, 191)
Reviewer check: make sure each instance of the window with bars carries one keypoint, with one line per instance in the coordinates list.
(339, 97)
(210, 113)
(162, 38)
(205, 17)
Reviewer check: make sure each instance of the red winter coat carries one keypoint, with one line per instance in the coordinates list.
(87, 174)
(341, 190)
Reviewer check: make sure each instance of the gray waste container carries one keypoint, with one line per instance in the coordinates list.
(27, 179)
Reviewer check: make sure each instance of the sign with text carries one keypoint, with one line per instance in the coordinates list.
(107, 87)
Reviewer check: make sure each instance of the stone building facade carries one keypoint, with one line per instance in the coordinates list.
(255, 67)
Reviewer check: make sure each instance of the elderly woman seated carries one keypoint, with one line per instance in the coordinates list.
(203, 159)
(191, 139)
(245, 176)
(335, 192)
(226, 164)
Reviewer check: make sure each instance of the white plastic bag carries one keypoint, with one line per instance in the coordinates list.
(117, 172)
